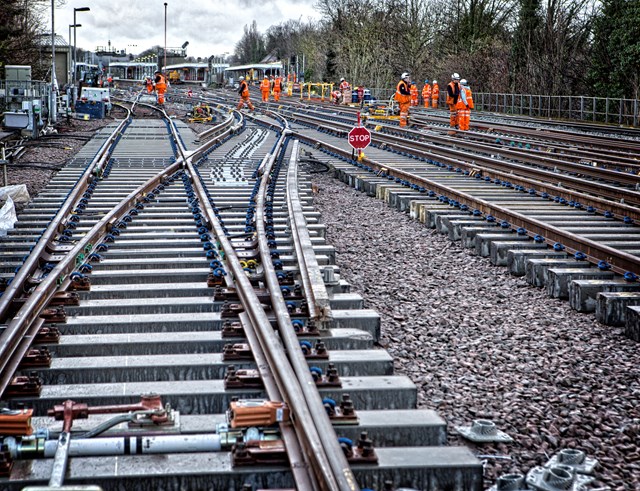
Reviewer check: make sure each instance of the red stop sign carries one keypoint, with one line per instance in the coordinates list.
(359, 137)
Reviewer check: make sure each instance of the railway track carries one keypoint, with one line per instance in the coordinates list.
(160, 302)
(191, 254)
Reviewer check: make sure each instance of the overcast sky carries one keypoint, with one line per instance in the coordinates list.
(212, 27)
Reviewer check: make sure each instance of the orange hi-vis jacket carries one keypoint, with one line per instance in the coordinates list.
(265, 85)
(161, 82)
(344, 85)
(277, 85)
(243, 90)
(403, 92)
(453, 93)
(426, 92)
(435, 92)
(469, 97)
(414, 91)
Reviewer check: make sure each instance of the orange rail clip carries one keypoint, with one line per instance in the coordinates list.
(16, 423)
(252, 412)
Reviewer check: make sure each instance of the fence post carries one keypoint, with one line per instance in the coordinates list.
(594, 109)
(606, 111)
(581, 108)
(635, 112)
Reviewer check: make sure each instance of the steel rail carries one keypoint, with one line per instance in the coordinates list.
(620, 261)
(271, 345)
(530, 177)
(340, 471)
(620, 207)
(312, 279)
(45, 241)
(596, 172)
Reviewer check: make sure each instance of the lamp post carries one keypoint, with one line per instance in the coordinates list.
(165, 35)
(70, 53)
(54, 85)
(79, 9)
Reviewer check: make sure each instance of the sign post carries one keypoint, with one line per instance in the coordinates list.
(359, 137)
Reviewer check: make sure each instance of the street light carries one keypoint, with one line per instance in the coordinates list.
(165, 36)
(79, 9)
(71, 54)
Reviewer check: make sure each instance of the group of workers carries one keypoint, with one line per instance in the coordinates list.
(459, 99)
(158, 84)
(268, 86)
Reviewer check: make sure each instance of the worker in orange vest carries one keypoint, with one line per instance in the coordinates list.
(414, 94)
(345, 90)
(160, 83)
(149, 83)
(453, 95)
(277, 88)
(464, 113)
(403, 96)
(243, 90)
(426, 94)
(265, 88)
(435, 94)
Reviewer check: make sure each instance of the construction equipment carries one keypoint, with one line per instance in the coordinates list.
(201, 114)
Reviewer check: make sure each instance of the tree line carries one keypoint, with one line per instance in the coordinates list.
(549, 47)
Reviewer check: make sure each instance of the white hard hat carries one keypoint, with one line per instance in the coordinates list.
(435, 81)
(463, 81)
(267, 77)
(455, 76)
(342, 80)
(241, 78)
(404, 75)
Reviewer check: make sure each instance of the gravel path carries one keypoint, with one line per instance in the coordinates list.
(480, 343)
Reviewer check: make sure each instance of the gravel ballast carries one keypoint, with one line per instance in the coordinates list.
(480, 343)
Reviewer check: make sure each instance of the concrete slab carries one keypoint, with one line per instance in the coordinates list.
(632, 326)
(561, 278)
(583, 293)
(538, 269)
(425, 468)
(517, 259)
(131, 343)
(484, 241)
(499, 253)
(210, 396)
(611, 307)
(468, 234)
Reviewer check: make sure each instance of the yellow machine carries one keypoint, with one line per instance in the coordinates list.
(388, 111)
(201, 114)
(174, 77)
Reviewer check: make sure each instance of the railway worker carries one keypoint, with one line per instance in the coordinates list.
(336, 96)
(265, 88)
(345, 90)
(464, 114)
(453, 94)
(403, 96)
(149, 83)
(435, 94)
(414, 94)
(277, 88)
(243, 90)
(426, 93)
(160, 84)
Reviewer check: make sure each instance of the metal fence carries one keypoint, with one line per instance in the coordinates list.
(595, 109)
